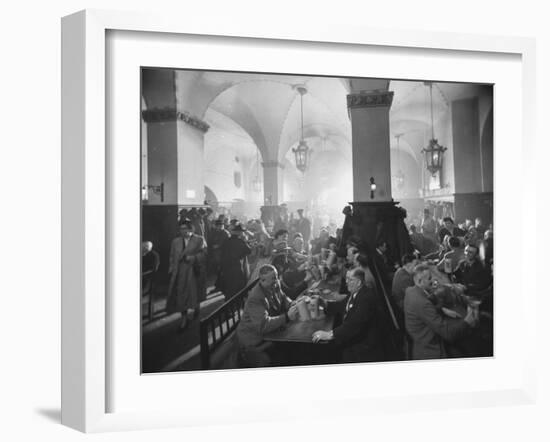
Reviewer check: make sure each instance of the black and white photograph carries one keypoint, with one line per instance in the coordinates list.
(250, 221)
(302, 220)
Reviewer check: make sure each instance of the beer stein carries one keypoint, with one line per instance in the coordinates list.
(303, 309)
(314, 307)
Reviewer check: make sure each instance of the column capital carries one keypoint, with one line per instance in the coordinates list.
(370, 99)
(167, 114)
(273, 164)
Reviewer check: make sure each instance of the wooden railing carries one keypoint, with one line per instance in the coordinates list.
(379, 281)
(216, 327)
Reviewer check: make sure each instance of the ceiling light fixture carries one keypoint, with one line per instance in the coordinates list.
(302, 151)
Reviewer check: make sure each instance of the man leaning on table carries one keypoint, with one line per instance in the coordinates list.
(359, 335)
(267, 309)
(427, 328)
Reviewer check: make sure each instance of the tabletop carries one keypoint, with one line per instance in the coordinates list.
(301, 331)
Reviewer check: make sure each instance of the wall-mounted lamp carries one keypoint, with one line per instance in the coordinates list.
(372, 187)
(157, 190)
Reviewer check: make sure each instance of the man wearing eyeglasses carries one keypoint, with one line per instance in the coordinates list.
(359, 334)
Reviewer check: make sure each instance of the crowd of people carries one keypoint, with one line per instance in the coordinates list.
(436, 302)
(440, 303)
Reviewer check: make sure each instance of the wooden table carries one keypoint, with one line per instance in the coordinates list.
(301, 331)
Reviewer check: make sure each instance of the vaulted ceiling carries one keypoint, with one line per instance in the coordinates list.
(263, 110)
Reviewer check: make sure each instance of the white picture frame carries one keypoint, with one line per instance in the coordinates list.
(86, 316)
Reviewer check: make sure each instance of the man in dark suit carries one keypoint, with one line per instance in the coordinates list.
(471, 273)
(359, 334)
(427, 328)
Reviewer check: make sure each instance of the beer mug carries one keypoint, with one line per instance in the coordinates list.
(303, 309)
(314, 307)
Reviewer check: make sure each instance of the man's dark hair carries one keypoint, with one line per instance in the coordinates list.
(448, 218)
(422, 267)
(186, 223)
(362, 259)
(358, 273)
(280, 233)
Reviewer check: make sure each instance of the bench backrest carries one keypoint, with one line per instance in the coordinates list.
(221, 323)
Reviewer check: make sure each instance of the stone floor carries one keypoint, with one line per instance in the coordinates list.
(164, 347)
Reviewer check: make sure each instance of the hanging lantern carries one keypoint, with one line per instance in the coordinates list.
(433, 154)
(301, 152)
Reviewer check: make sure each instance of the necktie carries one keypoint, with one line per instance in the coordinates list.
(349, 305)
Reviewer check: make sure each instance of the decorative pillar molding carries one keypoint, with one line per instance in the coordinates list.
(273, 182)
(370, 99)
(167, 114)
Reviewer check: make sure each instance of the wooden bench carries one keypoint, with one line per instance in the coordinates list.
(218, 339)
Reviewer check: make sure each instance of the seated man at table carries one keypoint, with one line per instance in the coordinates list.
(471, 273)
(425, 325)
(359, 335)
(267, 309)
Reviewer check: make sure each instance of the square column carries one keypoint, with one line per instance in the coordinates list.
(370, 130)
(273, 183)
(190, 148)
